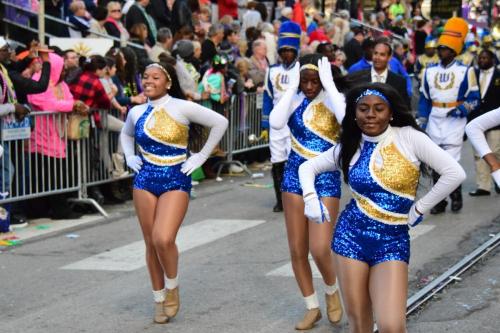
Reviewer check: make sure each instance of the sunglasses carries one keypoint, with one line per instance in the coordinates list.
(116, 11)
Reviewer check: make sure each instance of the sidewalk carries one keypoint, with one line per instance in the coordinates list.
(38, 228)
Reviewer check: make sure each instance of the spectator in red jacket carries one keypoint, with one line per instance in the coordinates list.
(299, 15)
(228, 7)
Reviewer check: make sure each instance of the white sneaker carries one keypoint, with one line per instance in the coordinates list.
(233, 168)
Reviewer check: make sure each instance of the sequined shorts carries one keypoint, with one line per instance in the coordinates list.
(361, 238)
(161, 179)
(327, 184)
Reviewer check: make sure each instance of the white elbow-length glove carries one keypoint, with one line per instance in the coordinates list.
(294, 77)
(325, 75)
(414, 218)
(315, 210)
(496, 177)
(192, 163)
(134, 162)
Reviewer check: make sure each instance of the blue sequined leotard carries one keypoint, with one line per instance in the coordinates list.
(373, 226)
(162, 143)
(311, 137)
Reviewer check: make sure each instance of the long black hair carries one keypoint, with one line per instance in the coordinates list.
(92, 63)
(350, 136)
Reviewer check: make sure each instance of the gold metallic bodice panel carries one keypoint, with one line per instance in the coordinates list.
(301, 150)
(376, 212)
(323, 123)
(397, 174)
(163, 128)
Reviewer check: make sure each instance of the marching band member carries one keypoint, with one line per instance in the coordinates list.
(449, 92)
(312, 108)
(476, 133)
(276, 83)
(380, 151)
(162, 183)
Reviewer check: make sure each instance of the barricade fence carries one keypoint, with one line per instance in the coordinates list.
(39, 159)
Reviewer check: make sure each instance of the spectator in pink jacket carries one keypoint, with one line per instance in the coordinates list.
(48, 135)
(47, 143)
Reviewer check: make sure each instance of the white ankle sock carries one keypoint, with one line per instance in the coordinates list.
(312, 301)
(330, 290)
(159, 295)
(171, 283)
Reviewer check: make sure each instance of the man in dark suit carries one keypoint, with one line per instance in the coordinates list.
(488, 76)
(380, 72)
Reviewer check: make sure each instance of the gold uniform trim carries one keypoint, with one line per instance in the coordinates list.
(323, 123)
(162, 161)
(163, 128)
(397, 175)
(301, 150)
(373, 211)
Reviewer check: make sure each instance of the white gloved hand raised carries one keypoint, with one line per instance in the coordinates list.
(294, 75)
(315, 210)
(192, 163)
(496, 177)
(134, 162)
(414, 218)
(325, 75)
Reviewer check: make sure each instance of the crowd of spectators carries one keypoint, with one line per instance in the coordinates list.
(219, 48)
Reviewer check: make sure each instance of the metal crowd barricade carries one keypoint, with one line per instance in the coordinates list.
(40, 160)
(244, 112)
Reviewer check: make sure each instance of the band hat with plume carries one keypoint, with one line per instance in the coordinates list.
(289, 36)
(454, 33)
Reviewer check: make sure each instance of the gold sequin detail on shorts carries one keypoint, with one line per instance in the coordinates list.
(301, 150)
(162, 160)
(375, 212)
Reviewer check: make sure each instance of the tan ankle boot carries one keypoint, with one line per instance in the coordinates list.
(310, 318)
(172, 302)
(333, 307)
(160, 316)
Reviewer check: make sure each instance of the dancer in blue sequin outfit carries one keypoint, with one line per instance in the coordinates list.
(162, 183)
(380, 152)
(313, 108)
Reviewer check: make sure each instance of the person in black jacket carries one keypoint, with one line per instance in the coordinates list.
(22, 87)
(380, 71)
(114, 26)
(160, 12)
(488, 76)
(181, 16)
(137, 14)
(353, 49)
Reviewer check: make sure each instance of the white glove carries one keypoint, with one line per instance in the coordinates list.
(315, 210)
(414, 218)
(134, 162)
(193, 163)
(496, 177)
(325, 75)
(294, 75)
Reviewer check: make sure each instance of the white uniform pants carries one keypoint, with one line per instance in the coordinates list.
(448, 133)
(279, 144)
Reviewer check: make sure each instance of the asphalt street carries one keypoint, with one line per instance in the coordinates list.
(235, 273)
